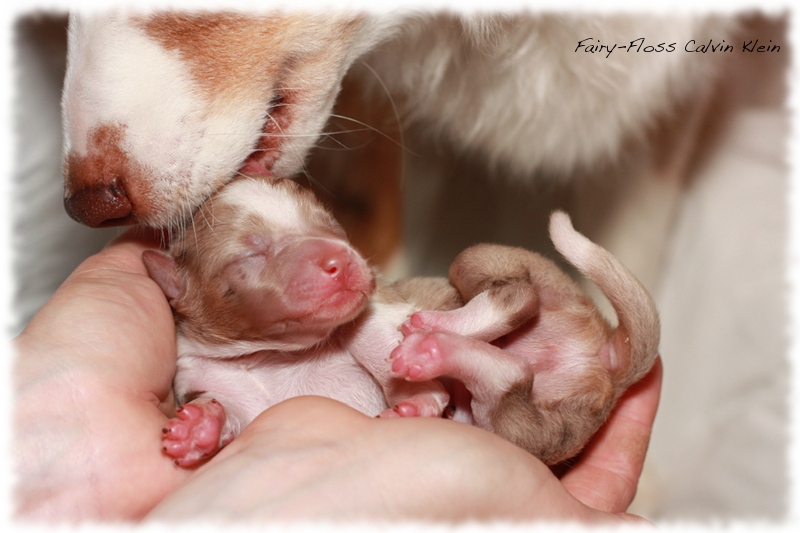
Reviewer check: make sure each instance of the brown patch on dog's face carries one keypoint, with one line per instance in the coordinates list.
(225, 52)
(279, 58)
(105, 158)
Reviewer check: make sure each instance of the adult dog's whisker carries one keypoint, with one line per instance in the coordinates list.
(400, 143)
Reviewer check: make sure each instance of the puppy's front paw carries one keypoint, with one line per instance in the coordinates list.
(194, 436)
(419, 357)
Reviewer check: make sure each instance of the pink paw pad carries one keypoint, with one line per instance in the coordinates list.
(194, 435)
(418, 358)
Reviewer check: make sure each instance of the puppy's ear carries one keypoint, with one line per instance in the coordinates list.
(163, 271)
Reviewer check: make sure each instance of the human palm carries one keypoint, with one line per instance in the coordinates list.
(93, 389)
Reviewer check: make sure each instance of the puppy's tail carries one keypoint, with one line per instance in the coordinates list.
(634, 346)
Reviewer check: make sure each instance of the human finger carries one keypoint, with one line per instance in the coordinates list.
(607, 473)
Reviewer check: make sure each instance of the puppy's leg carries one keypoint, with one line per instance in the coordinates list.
(504, 399)
(486, 371)
(496, 283)
(371, 340)
(199, 431)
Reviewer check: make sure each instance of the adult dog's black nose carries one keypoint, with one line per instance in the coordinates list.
(101, 205)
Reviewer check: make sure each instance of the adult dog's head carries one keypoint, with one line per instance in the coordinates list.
(160, 110)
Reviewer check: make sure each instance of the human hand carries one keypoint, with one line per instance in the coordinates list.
(92, 384)
(314, 458)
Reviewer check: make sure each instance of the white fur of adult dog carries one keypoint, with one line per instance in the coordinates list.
(162, 109)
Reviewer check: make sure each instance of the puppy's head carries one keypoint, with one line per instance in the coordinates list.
(161, 109)
(264, 263)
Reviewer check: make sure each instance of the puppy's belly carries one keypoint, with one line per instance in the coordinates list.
(255, 382)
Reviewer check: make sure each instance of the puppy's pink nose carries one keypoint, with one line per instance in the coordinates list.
(101, 205)
(334, 265)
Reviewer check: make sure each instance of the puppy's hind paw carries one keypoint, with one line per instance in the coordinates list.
(418, 358)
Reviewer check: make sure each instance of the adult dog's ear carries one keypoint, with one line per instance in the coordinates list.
(161, 268)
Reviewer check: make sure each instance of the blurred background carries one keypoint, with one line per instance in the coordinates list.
(703, 221)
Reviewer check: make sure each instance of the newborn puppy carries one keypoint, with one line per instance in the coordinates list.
(258, 286)
(271, 302)
(543, 368)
